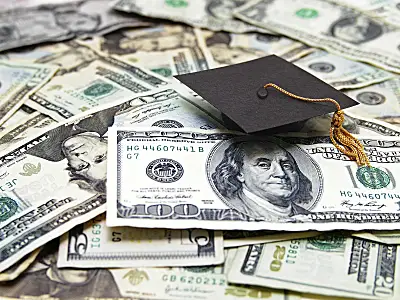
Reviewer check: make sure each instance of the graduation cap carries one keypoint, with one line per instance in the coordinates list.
(269, 94)
(238, 92)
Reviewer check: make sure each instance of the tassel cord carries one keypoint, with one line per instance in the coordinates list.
(343, 140)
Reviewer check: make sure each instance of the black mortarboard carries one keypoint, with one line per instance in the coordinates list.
(235, 90)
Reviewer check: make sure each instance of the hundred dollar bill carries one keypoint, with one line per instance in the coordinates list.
(57, 22)
(215, 15)
(387, 10)
(27, 127)
(337, 29)
(45, 280)
(103, 80)
(223, 180)
(232, 48)
(56, 179)
(340, 72)
(93, 245)
(238, 238)
(380, 101)
(18, 82)
(330, 264)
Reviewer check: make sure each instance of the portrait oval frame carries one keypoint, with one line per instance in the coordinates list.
(307, 165)
(375, 31)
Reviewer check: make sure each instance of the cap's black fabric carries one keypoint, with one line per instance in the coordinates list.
(235, 90)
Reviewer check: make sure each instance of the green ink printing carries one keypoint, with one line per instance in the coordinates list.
(98, 90)
(307, 13)
(327, 242)
(177, 3)
(8, 207)
(372, 177)
(166, 72)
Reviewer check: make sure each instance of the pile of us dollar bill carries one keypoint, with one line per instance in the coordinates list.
(119, 182)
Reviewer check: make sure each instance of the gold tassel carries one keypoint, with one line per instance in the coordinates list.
(340, 137)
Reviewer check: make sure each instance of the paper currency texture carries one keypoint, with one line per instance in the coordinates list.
(224, 180)
(212, 14)
(93, 245)
(25, 26)
(335, 28)
(18, 82)
(56, 179)
(330, 264)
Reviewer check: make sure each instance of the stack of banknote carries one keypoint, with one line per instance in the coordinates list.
(119, 182)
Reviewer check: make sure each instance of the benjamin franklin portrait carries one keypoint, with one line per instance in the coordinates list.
(262, 179)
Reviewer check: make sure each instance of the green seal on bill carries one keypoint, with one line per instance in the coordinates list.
(166, 72)
(176, 3)
(98, 89)
(372, 177)
(8, 207)
(327, 241)
(307, 13)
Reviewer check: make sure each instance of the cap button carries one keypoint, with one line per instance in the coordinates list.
(262, 93)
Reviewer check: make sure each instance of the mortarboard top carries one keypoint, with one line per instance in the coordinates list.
(234, 91)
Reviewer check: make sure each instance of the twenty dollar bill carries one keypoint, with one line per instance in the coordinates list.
(329, 264)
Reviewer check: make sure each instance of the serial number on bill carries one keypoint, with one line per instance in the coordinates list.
(165, 148)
